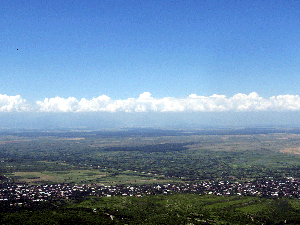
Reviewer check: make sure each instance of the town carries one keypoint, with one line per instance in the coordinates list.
(26, 194)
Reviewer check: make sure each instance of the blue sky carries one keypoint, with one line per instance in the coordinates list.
(122, 49)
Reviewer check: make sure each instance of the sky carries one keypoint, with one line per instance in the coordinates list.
(149, 59)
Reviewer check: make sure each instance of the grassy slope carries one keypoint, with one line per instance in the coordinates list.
(160, 209)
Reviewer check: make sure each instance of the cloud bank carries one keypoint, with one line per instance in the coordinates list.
(146, 103)
(13, 104)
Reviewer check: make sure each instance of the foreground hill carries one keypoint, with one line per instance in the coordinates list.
(161, 209)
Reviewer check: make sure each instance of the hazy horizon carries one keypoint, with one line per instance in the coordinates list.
(155, 120)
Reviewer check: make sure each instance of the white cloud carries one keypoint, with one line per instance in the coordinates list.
(58, 104)
(71, 104)
(13, 104)
(286, 102)
(96, 104)
(146, 103)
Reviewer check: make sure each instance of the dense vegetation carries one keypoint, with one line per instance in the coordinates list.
(161, 209)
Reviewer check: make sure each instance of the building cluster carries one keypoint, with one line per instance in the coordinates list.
(20, 193)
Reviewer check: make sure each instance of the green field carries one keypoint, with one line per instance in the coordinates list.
(70, 176)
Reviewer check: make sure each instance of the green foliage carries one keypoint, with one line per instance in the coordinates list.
(161, 209)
